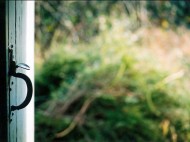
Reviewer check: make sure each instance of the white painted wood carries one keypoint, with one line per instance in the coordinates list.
(30, 60)
(21, 36)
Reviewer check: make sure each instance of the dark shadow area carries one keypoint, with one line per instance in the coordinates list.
(3, 79)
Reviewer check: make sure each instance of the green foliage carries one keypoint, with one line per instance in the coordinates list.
(131, 104)
(75, 20)
(59, 70)
(170, 13)
(48, 126)
(133, 100)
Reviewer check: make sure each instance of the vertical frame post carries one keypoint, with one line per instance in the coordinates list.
(3, 74)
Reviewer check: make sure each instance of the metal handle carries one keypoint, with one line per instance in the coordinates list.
(29, 91)
(12, 72)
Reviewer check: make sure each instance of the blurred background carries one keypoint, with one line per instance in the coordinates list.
(112, 71)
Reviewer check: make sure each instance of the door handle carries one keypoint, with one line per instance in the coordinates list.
(29, 91)
(12, 72)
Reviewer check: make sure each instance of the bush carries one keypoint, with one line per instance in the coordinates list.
(60, 68)
(130, 104)
(106, 91)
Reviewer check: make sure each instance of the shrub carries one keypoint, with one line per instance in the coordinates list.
(60, 67)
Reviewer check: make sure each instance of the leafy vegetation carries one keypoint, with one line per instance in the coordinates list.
(106, 90)
(177, 10)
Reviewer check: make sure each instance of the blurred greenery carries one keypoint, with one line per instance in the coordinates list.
(93, 85)
(70, 18)
(170, 13)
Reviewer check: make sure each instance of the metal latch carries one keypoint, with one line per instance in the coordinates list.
(12, 72)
